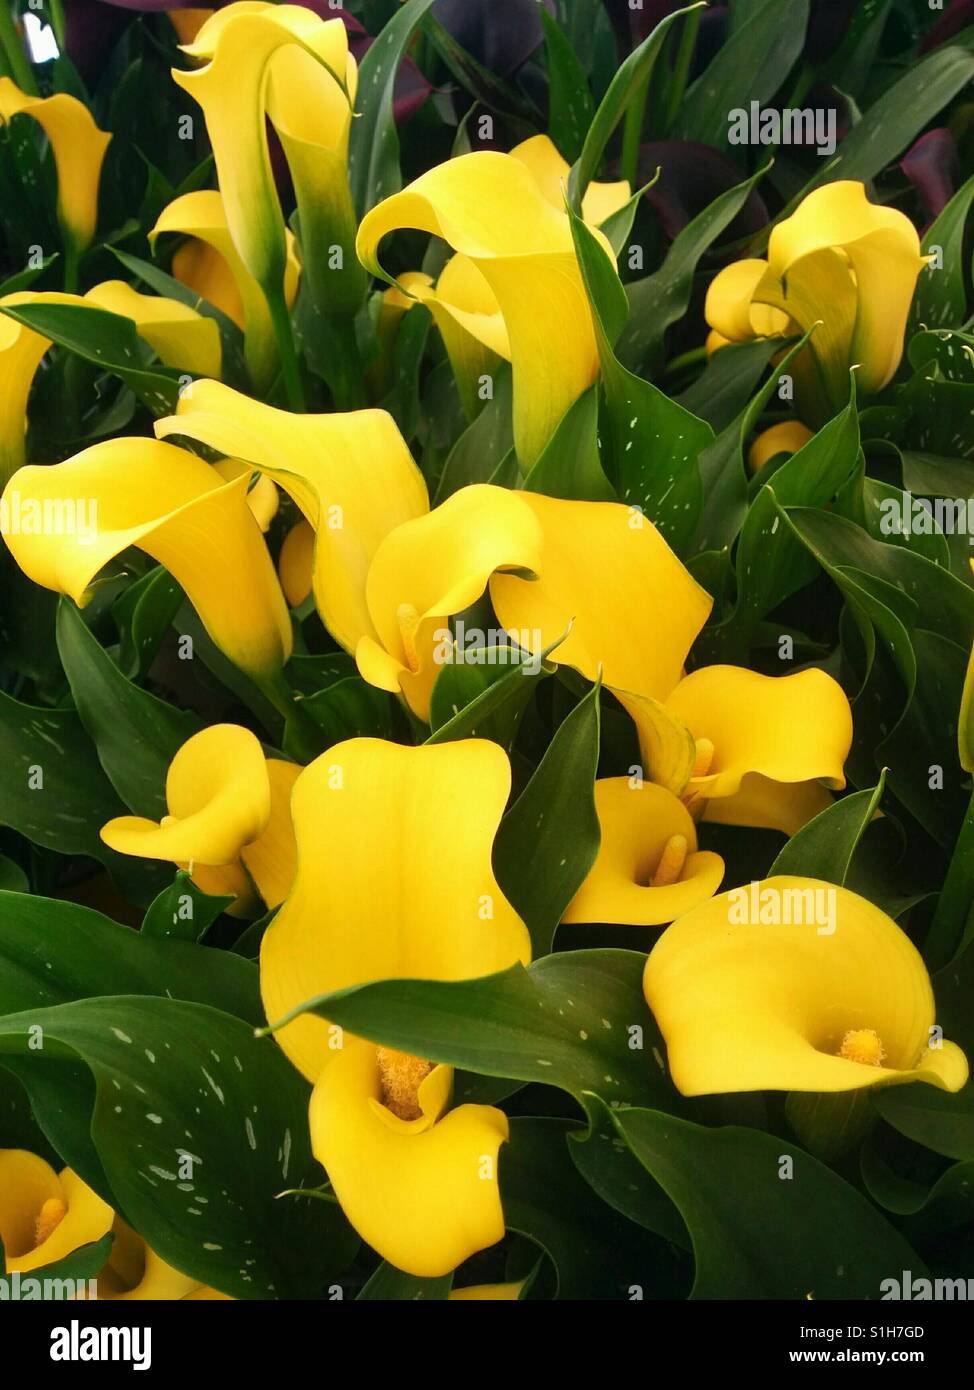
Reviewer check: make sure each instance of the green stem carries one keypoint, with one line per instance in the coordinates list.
(22, 71)
(284, 337)
(681, 68)
(830, 1124)
(685, 359)
(632, 132)
(57, 23)
(948, 929)
(345, 368)
(71, 261)
(303, 738)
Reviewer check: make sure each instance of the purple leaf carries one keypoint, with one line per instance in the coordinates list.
(691, 177)
(930, 164)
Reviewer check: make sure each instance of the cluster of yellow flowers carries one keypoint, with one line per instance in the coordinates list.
(378, 855)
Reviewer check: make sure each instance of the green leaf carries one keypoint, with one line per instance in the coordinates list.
(611, 1168)
(182, 911)
(940, 300)
(199, 1127)
(349, 708)
(936, 1119)
(569, 465)
(12, 877)
(751, 66)
(565, 1021)
(373, 154)
(722, 466)
(728, 381)
(483, 444)
(144, 614)
(737, 1196)
(660, 299)
(570, 104)
(626, 86)
(548, 840)
(824, 848)
(108, 341)
(484, 694)
(596, 1252)
(898, 117)
(87, 1262)
(54, 952)
(53, 789)
(652, 443)
(770, 563)
(391, 1285)
(136, 734)
(234, 371)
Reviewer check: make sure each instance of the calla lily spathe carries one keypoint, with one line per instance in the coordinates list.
(840, 264)
(490, 209)
(395, 881)
(176, 508)
(462, 302)
(551, 565)
(209, 264)
(648, 869)
(46, 1216)
(762, 989)
(79, 149)
(785, 438)
(760, 747)
(228, 821)
(351, 474)
(239, 47)
(177, 334)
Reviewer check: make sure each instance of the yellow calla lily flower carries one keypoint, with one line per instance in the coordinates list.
(78, 147)
(463, 305)
(296, 562)
(466, 312)
(550, 565)
(209, 264)
(21, 350)
(312, 116)
(795, 985)
(730, 308)
(648, 869)
(785, 438)
(238, 46)
(393, 303)
(188, 23)
(490, 208)
(135, 1273)
(45, 1215)
(263, 498)
(842, 264)
(774, 739)
(177, 334)
(228, 811)
(487, 1292)
(351, 474)
(177, 509)
(395, 881)
(550, 171)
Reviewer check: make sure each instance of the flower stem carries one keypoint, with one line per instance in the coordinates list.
(284, 337)
(22, 71)
(681, 68)
(829, 1125)
(632, 132)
